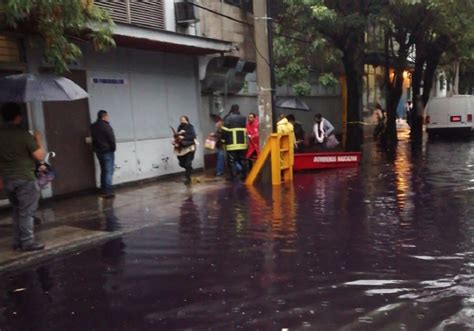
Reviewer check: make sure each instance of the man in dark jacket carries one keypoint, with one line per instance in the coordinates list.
(185, 146)
(235, 137)
(103, 142)
(299, 132)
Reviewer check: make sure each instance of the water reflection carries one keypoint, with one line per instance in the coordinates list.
(112, 223)
(388, 246)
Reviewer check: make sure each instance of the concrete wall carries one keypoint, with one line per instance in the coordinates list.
(157, 89)
(218, 27)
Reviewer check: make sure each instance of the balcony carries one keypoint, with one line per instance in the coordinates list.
(149, 14)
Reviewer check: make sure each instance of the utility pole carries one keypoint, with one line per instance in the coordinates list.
(265, 77)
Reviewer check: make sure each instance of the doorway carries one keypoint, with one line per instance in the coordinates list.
(67, 124)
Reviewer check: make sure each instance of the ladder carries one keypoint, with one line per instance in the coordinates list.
(280, 149)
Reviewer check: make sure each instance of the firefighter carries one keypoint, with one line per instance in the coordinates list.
(235, 139)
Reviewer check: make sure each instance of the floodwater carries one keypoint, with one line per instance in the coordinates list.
(388, 246)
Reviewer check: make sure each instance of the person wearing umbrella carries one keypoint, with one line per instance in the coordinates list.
(104, 145)
(19, 153)
(253, 138)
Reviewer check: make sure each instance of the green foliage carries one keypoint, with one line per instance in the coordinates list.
(57, 23)
(454, 27)
(300, 49)
(302, 88)
(328, 80)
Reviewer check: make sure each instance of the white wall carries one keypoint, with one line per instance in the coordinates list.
(157, 90)
(170, 18)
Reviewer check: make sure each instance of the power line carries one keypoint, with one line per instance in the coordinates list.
(252, 25)
(238, 21)
(254, 43)
(220, 14)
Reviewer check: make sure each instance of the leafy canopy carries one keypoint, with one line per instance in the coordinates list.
(313, 35)
(57, 22)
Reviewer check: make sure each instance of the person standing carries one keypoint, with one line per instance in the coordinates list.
(409, 112)
(104, 145)
(19, 153)
(235, 136)
(220, 153)
(380, 118)
(254, 139)
(185, 146)
(299, 132)
(324, 132)
(284, 126)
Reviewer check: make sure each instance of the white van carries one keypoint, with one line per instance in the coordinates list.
(450, 115)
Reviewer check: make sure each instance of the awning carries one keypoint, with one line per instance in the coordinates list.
(166, 41)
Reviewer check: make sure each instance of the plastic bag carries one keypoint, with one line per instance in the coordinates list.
(210, 143)
(332, 142)
(45, 172)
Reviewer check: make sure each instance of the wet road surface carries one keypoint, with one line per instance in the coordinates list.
(388, 246)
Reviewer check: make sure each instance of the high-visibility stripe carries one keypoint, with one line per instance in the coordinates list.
(236, 147)
(236, 144)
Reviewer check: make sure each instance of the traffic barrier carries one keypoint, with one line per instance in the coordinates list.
(280, 149)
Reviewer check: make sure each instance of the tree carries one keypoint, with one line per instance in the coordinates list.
(460, 53)
(427, 31)
(450, 33)
(343, 24)
(300, 53)
(466, 76)
(57, 23)
(401, 20)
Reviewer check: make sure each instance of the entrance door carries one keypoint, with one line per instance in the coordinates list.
(67, 126)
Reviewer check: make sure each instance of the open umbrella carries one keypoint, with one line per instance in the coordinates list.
(292, 103)
(43, 87)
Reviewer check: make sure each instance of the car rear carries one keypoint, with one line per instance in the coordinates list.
(451, 116)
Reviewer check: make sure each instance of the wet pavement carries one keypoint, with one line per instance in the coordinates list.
(388, 246)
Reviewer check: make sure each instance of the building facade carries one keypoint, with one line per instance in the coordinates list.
(146, 83)
(173, 58)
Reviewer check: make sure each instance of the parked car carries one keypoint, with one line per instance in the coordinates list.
(451, 116)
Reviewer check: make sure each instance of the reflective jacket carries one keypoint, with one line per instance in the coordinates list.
(285, 127)
(235, 133)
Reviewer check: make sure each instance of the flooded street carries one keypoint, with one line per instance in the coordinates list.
(388, 246)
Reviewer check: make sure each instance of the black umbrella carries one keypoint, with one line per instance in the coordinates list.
(292, 103)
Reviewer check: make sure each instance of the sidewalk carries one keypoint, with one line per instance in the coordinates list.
(73, 224)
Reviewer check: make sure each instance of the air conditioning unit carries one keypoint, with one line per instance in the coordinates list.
(185, 13)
